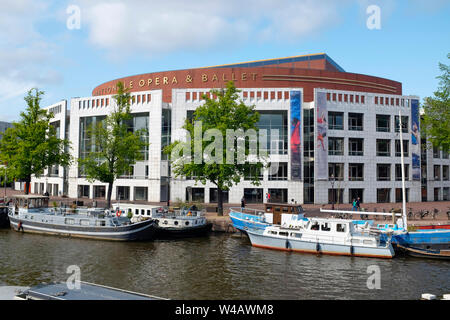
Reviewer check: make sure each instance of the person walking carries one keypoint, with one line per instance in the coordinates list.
(242, 204)
(354, 208)
(358, 204)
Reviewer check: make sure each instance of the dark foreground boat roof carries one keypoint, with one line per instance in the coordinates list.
(87, 291)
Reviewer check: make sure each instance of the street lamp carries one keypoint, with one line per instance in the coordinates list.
(332, 180)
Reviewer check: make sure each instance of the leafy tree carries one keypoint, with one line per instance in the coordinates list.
(31, 145)
(436, 118)
(211, 161)
(115, 148)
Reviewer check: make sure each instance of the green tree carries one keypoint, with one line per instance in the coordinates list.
(207, 132)
(31, 145)
(436, 118)
(115, 148)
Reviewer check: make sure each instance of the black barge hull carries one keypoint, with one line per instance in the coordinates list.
(140, 231)
(170, 233)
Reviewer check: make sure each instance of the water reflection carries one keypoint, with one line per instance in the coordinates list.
(214, 267)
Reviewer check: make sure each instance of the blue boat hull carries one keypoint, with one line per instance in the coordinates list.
(244, 221)
(432, 239)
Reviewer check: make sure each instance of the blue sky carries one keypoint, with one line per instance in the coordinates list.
(121, 38)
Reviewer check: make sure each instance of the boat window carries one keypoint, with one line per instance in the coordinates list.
(340, 227)
(273, 232)
(285, 209)
(391, 226)
(136, 211)
(269, 208)
(165, 222)
(84, 222)
(277, 209)
(315, 226)
(175, 223)
(148, 212)
(187, 223)
(355, 240)
(101, 223)
(325, 227)
(296, 235)
(129, 210)
(142, 212)
(367, 241)
(69, 221)
(283, 234)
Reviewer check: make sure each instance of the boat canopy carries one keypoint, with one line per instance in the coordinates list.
(30, 201)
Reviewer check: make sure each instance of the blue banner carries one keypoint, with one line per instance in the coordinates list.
(295, 146)
(415, 139)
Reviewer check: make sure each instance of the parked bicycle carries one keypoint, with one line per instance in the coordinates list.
(435, 213)
(422, 214)
(410, 213)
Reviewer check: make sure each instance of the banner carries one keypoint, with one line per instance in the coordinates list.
(321, 149)
(415, 139)
(296, 156)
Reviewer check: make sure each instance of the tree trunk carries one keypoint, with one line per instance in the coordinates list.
(219, 201)
(108, 197)
(27, 185)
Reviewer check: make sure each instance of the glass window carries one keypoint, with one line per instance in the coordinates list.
(123, 193)
(335, 146)
(278, 196)
(336, 171)
(253, 195)
(383, 123)
(356, 171)
(383, 172)
(383, 148)
(405, 121)
(214, 197)
(437, 172)
(398, 148)
(281, 171)
(398, 172)
(271, 121)
(336, 120)
(355, 121)
(335, 196)
(383, 195)
(355, 147)
(141, 193)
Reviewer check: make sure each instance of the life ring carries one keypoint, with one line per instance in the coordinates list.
(118, 213)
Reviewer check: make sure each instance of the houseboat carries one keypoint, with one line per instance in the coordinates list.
(273, 213)
(31, 214)
(171, 223)
(322, 236)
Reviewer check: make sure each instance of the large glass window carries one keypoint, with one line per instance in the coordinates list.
(214, 196)
(383, 172)
(166, 130)
(405, 124)
(355, 147)
(336, 120)
(398, 152)
(253, 195)
(141, 193)
(272, 121)
(437, 172)
(383, 123)
(356, 121)
(99, 192)
(398, 172)
(383, 148)
(356, 171)
(383, 195)
(335, 146)
(278, 195)
(336, 171)
(281, 171)
(335, 196)
(123, 193)
(445, 173)
(399, 194)
(355, 194)
(83, 191)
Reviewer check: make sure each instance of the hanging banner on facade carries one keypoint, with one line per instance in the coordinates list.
(415, 139)
(296, 156)
(321, 149)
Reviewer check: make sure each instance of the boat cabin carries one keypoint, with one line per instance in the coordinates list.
(29, 202)
(278, 209)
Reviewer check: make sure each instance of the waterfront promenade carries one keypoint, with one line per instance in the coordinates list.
(223, 223)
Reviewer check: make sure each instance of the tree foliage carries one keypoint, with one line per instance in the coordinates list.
(114, 147)
(220, 112)
(31, 145)
(436, 119)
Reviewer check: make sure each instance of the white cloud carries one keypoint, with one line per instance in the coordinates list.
(24, 52)
(155, 27)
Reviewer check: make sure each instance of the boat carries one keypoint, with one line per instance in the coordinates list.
(423, 238)
(31, 214)
(4, 220)
(61, 291)
(322, 236)
(426, 253)
(274, 213)
(171, 223)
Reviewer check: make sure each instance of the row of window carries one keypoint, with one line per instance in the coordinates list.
(345, 97)
(383, 195)
(356, 147)
(122, 192)
(356, 122)
(356, 172)
(437, 172)
(437, 153)
(104, 102)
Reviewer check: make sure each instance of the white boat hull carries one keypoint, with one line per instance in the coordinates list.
(260, 240)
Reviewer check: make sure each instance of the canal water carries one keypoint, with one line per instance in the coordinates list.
(219, 266)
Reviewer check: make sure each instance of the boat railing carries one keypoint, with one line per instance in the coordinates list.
(252, 211)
